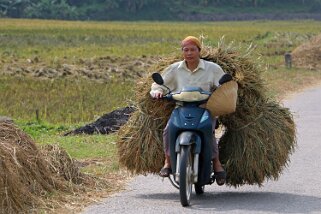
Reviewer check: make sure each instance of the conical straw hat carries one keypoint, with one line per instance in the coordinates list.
(223, 99)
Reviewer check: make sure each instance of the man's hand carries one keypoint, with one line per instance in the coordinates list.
(156, 94)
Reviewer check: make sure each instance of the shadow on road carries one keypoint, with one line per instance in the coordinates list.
(246, 201)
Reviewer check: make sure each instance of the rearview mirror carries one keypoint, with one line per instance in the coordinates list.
(225, 78)
(158, 78)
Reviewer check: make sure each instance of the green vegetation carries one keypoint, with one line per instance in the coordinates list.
(149, 9)
(61, 100)
(96, 152)
(54, 41)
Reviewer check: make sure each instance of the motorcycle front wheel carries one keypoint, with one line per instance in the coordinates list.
(185, 175)
(199, 189)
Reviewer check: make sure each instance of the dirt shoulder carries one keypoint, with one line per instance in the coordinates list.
(292, 94)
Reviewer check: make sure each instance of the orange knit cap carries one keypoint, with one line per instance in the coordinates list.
(191, 39)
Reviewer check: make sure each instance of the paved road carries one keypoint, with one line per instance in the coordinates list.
(297, 191)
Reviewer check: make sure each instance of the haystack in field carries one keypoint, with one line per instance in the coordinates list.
(258, 137)
(61, 164)
(24, 175)
(308, 55)
(28, 175)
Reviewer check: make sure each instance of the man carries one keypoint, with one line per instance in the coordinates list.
(192, 71)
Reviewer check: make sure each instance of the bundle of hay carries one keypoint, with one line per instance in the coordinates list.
(140, 146)
(308, 55)
(258, 137)
(24, 175)
(61, 164)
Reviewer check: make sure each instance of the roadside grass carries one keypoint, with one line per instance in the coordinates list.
(283, 82)
(96, 154)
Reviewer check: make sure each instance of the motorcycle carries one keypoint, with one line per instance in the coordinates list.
(190, 137)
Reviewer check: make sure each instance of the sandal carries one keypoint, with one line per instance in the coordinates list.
(220, 177)
(165, 172)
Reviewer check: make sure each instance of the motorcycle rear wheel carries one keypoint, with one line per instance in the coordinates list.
(185, 175)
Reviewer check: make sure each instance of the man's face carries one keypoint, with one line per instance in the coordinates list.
(191, 53)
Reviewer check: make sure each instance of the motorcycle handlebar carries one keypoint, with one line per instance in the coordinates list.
(168, 97)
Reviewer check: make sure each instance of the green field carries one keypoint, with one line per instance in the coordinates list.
(46, 108)
(50, 40)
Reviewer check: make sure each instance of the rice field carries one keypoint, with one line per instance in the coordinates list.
(69, 39)
(60, 101)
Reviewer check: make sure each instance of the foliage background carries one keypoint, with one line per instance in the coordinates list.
(153, 9)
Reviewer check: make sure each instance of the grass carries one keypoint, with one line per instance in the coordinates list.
(96, 152)
(283, 82)
(61, 100)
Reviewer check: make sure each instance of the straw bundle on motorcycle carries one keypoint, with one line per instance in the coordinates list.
(258, 139)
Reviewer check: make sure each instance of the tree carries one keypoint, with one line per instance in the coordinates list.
(111, 4)
(12, 8)
(256, 3)
(135, 5)
(51, 9)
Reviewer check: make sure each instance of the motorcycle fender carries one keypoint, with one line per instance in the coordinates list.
(187, 138)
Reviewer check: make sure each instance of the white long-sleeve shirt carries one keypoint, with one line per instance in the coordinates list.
(177, 75)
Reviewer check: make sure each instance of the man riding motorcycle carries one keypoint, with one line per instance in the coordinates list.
(192, 71)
